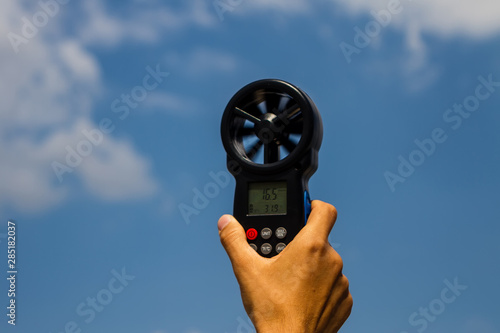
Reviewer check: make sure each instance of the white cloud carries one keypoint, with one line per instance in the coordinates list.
(171, 103)
(82, 64)
(30, 80)
(115, 172)
(109, 169)
(446, 18)
(47, 90)
(140, 23)
(100, 27)
(289, 6)
(475, 323)
(25, 184)
(202, 62)
(472, 18)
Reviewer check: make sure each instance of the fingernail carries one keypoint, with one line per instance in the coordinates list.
(223, 221)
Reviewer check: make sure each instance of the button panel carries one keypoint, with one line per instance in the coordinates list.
(267, 237)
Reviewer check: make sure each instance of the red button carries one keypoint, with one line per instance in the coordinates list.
(252, 234)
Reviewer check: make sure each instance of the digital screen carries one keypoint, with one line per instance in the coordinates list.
(267, 198)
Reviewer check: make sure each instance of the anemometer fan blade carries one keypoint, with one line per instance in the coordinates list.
(295, 127)
(259, 96)
(271, 152)
(254, 101)
(292, 111)
(273, 103)
(254, 110)
(251, 103)
(289, 145)
(284, 101)
(246, 115)
(253, 151)
(290, 102)
(246, 131)
(270, 124)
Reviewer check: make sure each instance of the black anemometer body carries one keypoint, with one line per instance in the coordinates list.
(272, 132)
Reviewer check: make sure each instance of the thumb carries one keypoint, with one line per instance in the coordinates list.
(233, 238)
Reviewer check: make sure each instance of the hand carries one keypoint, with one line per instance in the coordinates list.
(302, 289)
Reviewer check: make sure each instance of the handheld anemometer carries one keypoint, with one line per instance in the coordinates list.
(272, 132)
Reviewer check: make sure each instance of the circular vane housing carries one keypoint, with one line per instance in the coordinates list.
(270, 124)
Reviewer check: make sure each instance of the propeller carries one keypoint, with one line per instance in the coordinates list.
(268, 124)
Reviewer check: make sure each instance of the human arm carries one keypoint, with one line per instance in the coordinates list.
(302, 289)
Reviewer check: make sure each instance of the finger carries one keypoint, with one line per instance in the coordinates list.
(322, 219)
(233, 239)
(339, 303)
(342, 313)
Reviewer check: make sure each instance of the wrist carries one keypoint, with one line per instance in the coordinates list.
(283, 328)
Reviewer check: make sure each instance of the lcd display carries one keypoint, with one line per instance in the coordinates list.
(268, 198)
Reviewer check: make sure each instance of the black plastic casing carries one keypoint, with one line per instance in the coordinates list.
(295, 218)
(295, 169)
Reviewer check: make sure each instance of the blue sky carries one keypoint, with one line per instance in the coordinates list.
(413, 174)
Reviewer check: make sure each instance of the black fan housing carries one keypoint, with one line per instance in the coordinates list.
(271, 125)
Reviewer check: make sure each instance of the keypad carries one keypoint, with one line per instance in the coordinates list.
(268, 238)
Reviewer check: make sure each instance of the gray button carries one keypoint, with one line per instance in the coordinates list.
(280, 247)
(266, 248)
(253, 246)
(281, 232)
(266, 233)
